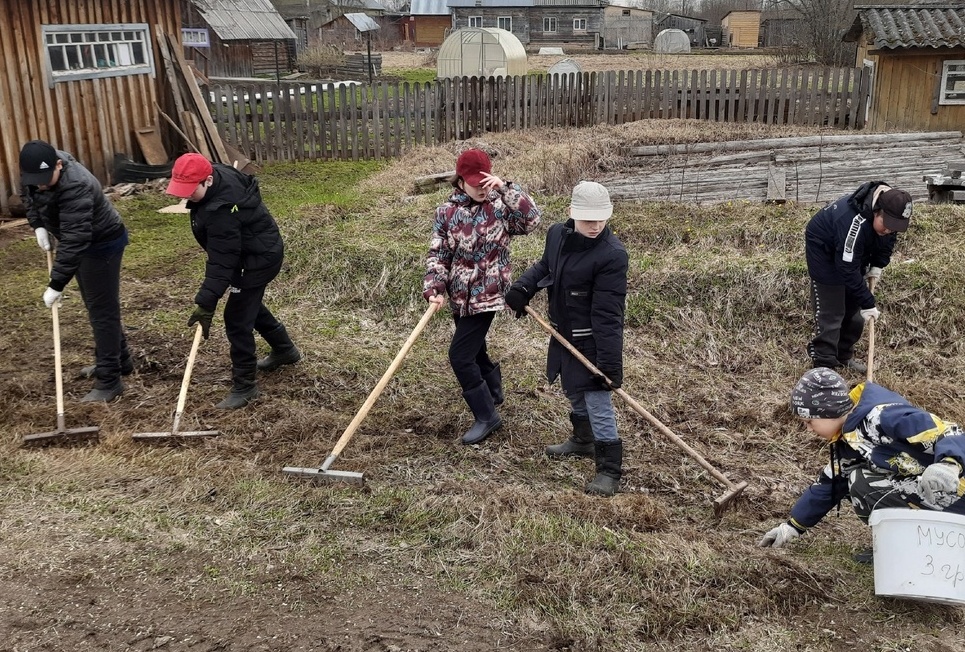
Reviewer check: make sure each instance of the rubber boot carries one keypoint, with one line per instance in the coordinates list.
(494, 381)
(104, 391)
(609, 468)
(283, 350)
(243, 391)
(480, 401)
(580, 444)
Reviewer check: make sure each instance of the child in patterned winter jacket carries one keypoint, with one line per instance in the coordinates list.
(469, 261)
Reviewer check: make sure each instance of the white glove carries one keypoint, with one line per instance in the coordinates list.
(52, 296)
(870, 313)
(874, 272)
(779, 537)
(43, 238)
(941, 477)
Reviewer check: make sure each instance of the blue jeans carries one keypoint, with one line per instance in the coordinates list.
(598, 407)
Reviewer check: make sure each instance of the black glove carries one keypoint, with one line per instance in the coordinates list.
(517, 300)
(202, 316)
(615, 376)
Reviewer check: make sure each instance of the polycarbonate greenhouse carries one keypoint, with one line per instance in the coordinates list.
(481, 52)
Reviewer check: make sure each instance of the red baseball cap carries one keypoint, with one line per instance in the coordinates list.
(189, 170)
(471, 164)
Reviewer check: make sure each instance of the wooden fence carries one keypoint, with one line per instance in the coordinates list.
(351, 121)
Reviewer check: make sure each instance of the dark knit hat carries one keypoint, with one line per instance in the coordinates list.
(821, 394)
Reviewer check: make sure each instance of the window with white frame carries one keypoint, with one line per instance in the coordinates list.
(195, 37)
(579, 24)
(953, 82)
(549, 25)
(475, 21)
(505, 22)
(92, 51)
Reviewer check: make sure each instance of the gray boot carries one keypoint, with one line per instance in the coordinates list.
(480, 401)
(609, 469)
(283, 350)
(580, 444)
(243, 391)
(494, 381)
(104, 392)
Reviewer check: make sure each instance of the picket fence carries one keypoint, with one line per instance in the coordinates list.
(357, 121)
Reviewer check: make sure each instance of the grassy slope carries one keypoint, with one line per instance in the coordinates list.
(717, 326)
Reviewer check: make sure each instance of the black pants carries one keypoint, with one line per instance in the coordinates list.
(99, 279)
(874, 489)
(467, 351)
(245, 313)
(837, 325)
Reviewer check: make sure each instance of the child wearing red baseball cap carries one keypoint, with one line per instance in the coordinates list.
(245, 251)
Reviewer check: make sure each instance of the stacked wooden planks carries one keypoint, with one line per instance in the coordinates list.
(814, 168)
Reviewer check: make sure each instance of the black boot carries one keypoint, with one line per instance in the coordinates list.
(283, 350)
(580, 444)
(494, 381)
(243, 391)
(609, 468)
(127, 368)
(480, 401)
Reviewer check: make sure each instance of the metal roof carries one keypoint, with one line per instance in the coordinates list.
(361, 22)
(910, 27)
(490, 3)
(429, 8)
(244, 20)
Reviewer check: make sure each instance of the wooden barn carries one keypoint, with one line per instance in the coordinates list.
(917, 55)
(741, 29)
(536, 22)
(238, 38)
(80, 75)
(626, 23)
(428, 24)
(782, 29)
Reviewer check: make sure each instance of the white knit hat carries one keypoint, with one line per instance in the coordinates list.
(590, 202)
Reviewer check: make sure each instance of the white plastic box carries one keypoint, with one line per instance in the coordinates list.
(919, 555)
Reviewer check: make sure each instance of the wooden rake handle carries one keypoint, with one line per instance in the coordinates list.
(186, 381)
(370, 401)
(636, 406)
(58, 360)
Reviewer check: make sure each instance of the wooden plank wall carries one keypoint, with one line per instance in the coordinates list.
(296, 121)
(900, 100)
(92, 119)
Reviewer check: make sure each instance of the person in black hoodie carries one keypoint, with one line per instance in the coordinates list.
(584, 270)
(245, 251)
(847, 243)
(66, 205)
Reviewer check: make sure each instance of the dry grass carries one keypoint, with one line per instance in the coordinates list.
(593, 62)
(481, 548)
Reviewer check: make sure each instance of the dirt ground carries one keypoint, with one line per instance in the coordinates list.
(206, 547)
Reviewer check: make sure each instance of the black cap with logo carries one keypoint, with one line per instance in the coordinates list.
(37, 162)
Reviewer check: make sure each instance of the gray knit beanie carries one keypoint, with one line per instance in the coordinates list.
(821, 394)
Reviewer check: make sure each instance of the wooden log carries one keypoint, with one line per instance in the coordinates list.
(802, 141)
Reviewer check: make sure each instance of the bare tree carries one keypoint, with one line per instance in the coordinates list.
(825, 23)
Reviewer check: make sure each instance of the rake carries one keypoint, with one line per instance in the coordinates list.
(182, 397)
(62, 432)
(324, 473)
